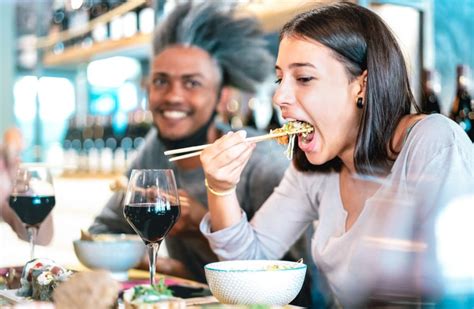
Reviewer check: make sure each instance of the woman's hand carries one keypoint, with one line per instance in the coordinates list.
(224, 160)
(223, 163)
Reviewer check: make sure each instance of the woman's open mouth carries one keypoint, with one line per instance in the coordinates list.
(307, 141)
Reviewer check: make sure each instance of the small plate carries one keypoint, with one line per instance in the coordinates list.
(11, 297)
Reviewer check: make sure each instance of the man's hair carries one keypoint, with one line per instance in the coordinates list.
(236, 44)
(360, 40)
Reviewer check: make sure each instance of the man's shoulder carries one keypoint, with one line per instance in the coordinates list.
(152, 142)
(151, 151)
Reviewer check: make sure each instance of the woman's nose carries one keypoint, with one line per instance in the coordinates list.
(284, 95)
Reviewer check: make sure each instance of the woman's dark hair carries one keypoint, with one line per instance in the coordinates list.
(361, 41)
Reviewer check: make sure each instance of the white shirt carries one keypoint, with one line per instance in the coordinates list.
(391, 248)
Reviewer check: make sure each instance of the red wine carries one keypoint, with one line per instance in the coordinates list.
(152, 221)
(32, 210)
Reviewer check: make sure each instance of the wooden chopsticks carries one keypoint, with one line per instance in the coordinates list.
(198, 149)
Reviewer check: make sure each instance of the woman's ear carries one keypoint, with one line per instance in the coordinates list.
(362, 83)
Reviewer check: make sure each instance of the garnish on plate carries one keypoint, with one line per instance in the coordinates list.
(152, 297)
(148, 292)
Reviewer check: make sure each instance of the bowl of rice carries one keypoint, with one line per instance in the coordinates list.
(255, 282)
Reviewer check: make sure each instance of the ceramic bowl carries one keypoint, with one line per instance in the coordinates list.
(262, 282)
(115, 253)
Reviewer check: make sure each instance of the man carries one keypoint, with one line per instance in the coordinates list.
(199, 53)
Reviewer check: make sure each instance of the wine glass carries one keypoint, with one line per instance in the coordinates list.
(152, 208)
(32, 199)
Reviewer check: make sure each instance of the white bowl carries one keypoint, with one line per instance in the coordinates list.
(114, 253)
(262, 282)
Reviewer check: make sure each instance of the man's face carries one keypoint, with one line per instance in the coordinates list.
(183, 92)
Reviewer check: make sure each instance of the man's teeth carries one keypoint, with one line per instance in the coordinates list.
(174, 114)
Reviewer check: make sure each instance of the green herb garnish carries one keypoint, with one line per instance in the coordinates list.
(156, 290)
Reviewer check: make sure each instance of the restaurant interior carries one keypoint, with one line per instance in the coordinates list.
(73, 90)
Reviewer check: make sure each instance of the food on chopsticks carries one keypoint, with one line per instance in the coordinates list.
(292, 128)
(284, 135)
(40, 277)
(157, 296)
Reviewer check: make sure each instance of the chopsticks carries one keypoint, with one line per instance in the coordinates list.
(198, 149)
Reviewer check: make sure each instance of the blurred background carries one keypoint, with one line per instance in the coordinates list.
(74, 74)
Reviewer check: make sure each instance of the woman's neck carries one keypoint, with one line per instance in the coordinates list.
(401, 133)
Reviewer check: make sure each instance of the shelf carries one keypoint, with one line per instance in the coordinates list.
(272, 16)
(51, 40)
(138, 46)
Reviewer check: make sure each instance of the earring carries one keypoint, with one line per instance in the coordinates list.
(360, 103)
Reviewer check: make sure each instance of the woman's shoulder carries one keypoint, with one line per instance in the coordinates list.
(439, 130)
(435, 133)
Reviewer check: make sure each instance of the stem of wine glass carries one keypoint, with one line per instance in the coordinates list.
(152, 251)
(32, 232)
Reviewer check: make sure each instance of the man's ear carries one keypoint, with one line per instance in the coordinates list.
(225, 96)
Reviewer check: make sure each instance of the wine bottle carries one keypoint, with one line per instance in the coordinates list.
(461, 111)
(146, 17)
(101, 31)
(59, 21)
(429, 97)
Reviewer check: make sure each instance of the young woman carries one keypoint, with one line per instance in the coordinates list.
(372, 176)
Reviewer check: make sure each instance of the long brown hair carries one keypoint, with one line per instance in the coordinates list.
(360, 40)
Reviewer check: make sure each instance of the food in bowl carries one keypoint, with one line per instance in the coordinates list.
(152, 297)
(255, 282)
(40, 277)
(116, 253)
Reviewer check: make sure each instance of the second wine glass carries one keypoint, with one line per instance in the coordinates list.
(152, 208)
(32, 199)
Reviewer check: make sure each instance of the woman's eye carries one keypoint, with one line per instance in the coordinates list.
(278, 81)
(305, 79)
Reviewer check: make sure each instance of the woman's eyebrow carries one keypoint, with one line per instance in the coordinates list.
(297, 65)
(301, 64)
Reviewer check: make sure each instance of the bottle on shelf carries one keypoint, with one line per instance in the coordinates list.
(430, 92)
(146, 17)
(461, 111)
(59, 21)
(101, 32)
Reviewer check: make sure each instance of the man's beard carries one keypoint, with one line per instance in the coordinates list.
(197, 138)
